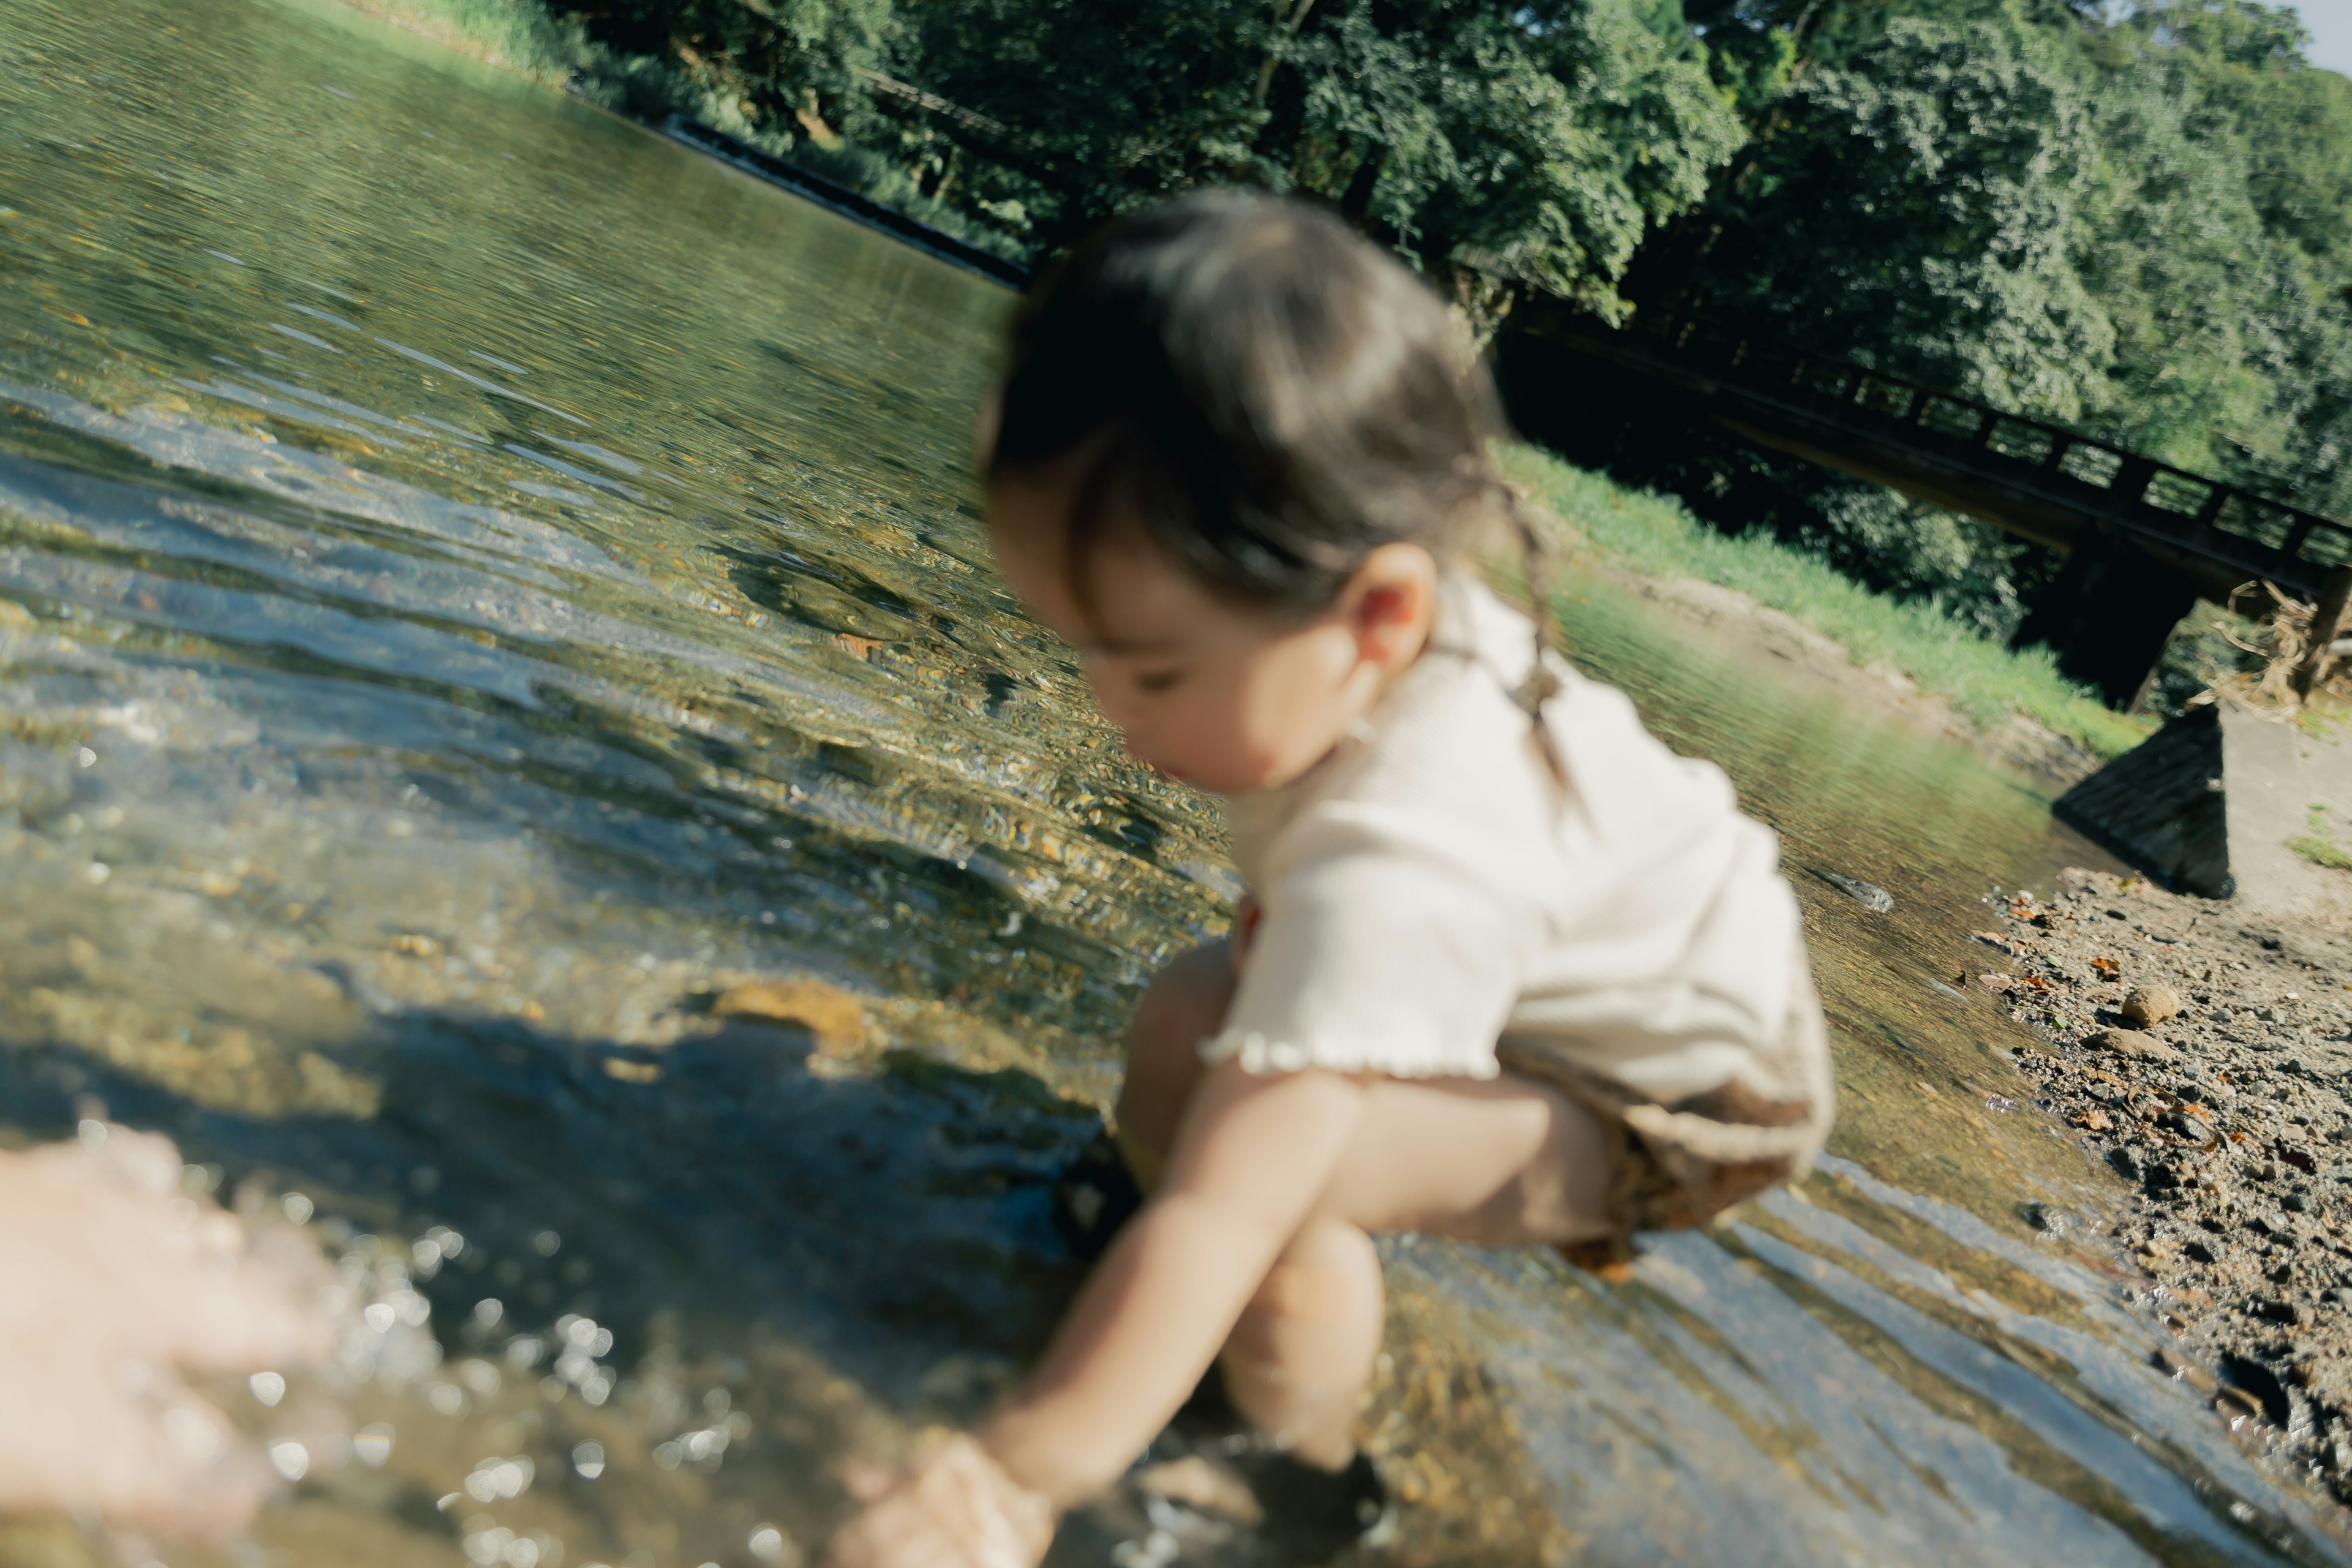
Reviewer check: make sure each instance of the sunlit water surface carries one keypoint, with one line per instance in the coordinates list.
(477, 581)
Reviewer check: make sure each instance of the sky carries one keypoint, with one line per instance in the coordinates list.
(2330, 22)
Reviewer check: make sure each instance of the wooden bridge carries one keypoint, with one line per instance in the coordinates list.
(2144, 540)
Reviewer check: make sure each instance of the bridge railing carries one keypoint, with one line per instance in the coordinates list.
(1928, 415)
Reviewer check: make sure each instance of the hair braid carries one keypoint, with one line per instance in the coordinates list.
(1543, 682)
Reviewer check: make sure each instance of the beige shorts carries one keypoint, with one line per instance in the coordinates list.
(1681, 1165)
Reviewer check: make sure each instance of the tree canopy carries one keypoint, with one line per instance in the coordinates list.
(1498, 144)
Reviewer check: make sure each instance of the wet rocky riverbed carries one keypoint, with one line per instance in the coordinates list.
(2204, 1053)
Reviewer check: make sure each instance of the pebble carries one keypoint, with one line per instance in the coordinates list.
(2238, 1404)
(2259, 1383)
(833, 1016)
(1869, 895)
(2181, 1369)
(2150, 1005)
(2124, 1042)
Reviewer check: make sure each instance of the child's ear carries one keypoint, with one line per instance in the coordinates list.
(1391, 602)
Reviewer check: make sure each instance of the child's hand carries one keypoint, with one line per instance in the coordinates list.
(953, 1508)
(111, 1282)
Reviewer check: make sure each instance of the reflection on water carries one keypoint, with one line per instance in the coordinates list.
(479, 586)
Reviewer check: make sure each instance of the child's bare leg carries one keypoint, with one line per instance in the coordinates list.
(1502, 1161)
(1298, 1361)
(1300, 1356)
(1185, 1003)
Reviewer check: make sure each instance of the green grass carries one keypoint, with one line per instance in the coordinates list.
(1986, 682)
(2322, 852)
(518, 36)
(2319, 846)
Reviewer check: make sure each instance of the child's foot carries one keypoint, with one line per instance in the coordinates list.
(1303, 1514)
(1313, 1515)
(1093, 1196)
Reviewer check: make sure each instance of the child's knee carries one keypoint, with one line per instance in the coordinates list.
(1330, 1275)
(1184, 1003)
(1304, 1293)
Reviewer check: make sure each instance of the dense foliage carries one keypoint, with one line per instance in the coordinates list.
(2137, 220)
(1532, 144)
(1501, 143)
(2141, 227)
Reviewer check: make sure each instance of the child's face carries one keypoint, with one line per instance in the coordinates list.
(1226, 697)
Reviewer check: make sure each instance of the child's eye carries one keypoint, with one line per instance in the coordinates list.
(1158, 680)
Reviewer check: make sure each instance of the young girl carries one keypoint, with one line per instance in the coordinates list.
(1509, 970)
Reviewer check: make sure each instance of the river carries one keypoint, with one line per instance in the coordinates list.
(480, 582)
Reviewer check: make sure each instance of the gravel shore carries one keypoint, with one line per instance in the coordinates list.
(2203, 1054)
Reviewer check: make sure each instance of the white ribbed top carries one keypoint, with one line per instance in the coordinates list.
(1428, 887)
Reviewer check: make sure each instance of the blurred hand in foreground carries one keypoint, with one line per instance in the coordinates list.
(953, 1506)
(112, 1282)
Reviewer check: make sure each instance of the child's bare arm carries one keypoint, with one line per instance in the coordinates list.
(1251, 1161)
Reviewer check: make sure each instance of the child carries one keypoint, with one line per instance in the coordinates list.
(1509, 970)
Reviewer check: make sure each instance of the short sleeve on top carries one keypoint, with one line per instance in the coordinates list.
(1380, 947)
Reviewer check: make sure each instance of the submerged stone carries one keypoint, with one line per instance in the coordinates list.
(832, 1016)
(1869, 895)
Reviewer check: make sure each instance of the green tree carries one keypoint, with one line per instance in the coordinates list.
(2222, 249)
(1918, 203)
(1500, 145)
(2141, 223)
(763, 64)
(2138, 226)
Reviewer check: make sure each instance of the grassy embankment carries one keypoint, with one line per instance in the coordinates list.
(1987, 683)
(518, 36)
(524, 37)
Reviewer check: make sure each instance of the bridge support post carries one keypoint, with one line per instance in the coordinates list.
(2108, 617)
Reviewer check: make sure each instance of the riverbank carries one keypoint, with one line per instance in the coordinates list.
(2203, 1056)
(1907, 657)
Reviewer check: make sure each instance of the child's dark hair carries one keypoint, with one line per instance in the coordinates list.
(1269, 393)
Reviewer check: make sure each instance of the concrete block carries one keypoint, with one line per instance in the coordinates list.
(2208, 804)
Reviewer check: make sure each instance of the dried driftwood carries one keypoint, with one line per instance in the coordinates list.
(2297, 664)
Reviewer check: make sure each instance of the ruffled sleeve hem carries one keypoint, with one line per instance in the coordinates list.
(1259, 1055)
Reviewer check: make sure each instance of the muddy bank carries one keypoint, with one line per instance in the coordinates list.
(2203, 1052)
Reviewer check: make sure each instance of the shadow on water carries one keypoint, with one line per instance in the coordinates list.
(454, 625)
(722, 1159)
(722, 1211)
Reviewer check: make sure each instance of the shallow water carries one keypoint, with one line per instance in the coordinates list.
(477, 582)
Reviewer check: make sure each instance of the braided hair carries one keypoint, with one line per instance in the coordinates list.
(1272, 396)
